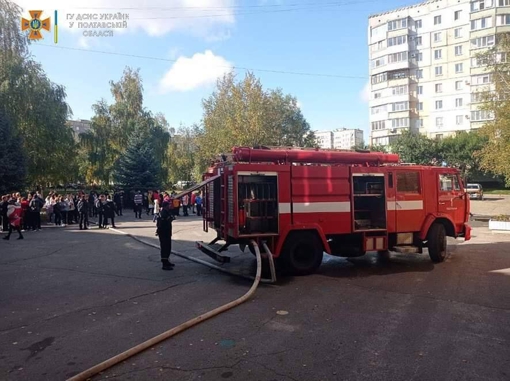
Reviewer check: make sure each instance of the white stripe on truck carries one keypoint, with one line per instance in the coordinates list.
(343, 206)
(315, 207)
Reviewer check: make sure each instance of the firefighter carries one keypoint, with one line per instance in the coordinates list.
(164, 233)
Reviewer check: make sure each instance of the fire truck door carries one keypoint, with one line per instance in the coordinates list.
(451, 199)
(409, 206)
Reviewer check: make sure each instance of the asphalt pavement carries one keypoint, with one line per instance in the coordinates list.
(70, 299)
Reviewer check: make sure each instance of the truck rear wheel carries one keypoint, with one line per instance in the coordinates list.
(437, 243)
(303, 253)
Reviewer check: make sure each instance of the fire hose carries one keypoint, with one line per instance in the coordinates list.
(174, 331)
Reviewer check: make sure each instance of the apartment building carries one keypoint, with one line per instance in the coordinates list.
(423, 72)
(324, 139)
(342, 138)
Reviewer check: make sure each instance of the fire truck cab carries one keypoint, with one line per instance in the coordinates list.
(301, 203)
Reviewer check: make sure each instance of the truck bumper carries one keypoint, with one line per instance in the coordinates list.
(466, 233)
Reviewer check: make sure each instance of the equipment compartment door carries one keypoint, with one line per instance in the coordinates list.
(257, 203)
(451, 199)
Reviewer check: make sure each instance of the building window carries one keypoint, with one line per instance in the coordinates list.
(400, 122)
(417, 24)
(377, 95)
(417, 56)
(459, 68)
(504, 3)
(458, 102)
(480, 5)
(480, 115)
(482, 79)
(458, 32)
(482, 42)
(378, 109)
(458, 85)
(399, 40)
(420, 106)
(408, 182)
(438, 70)
(418, 40)
(459, 119)
(503, 20)
(439, 87)
(397, 24)
(398, 74)
(484, 22)
(397, 57)
(458, 50)
(400, 106)
(456, 15)
(477, 97)
(439, 105)
(437, 54)
(437, 37)
(439, 121)
(439, 136)
(380, 125)
(437, 20)
(378, 78)
(399, 90)
(378, 62)
(420, 122)
(420, 90)
(419, 73)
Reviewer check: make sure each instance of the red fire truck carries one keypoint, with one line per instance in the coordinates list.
(300, 203)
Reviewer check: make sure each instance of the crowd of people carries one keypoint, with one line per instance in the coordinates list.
(153, 201)
(23, 213)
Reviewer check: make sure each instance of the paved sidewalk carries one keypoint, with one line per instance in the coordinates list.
(70, 299)
(491, 206)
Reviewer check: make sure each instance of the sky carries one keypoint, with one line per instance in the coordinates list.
(314, 50)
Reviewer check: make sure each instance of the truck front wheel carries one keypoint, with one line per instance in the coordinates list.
(303, 253)
(437, 242)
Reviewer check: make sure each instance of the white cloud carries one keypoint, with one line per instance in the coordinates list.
(201, 69)
(156, 19)
(365, 93)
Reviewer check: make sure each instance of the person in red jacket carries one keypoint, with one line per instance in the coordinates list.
(14, 215)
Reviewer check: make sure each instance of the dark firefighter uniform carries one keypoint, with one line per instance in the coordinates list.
(164, 233)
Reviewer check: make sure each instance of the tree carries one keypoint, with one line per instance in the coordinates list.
(35, 106)
(495, 155)
(243, 113)
(98, 145)
(459, 151)
(12, 41)
(413, 147)
(12, 157)
(137, 167)
(114, 125)
(185, 162)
